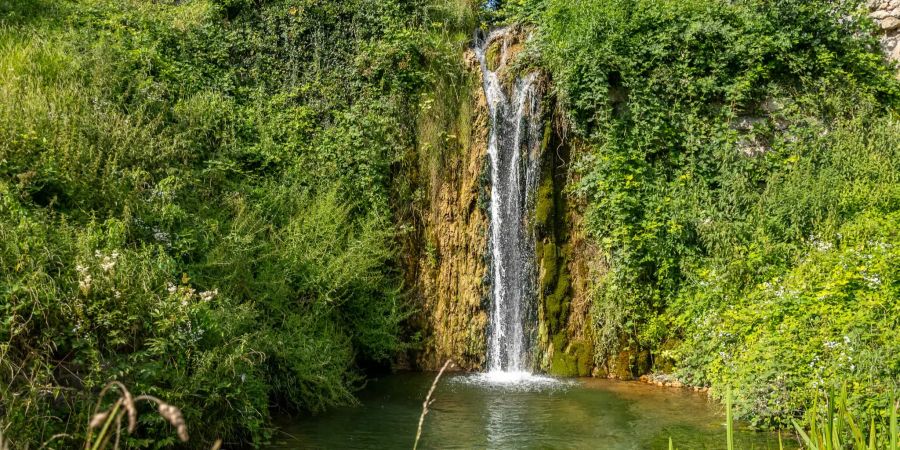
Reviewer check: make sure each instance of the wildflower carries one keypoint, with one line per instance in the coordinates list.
(171, 288)
(161, 236)
(822, 246)
(85, 284)
(873, 281)
(209, 295)
(107, 264)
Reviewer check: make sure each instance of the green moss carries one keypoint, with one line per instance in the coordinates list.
(577, 360)
(544, 210)
(549, 267)
(555, 286)
(546, 214)
(583, 353)
(621, 367)
(559, 300)
(493, 55)
(559, 341)
(553, 251)
(563, 365)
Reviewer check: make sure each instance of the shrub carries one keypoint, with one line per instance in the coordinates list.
(727, 141)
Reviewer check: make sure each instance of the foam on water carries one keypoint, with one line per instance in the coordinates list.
(514, 381)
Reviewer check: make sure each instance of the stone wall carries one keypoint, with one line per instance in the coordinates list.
(886, 13)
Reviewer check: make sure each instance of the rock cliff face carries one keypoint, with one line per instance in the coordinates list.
(451, 281)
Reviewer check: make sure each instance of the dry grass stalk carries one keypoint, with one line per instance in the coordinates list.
(428, 402)
(104, 419)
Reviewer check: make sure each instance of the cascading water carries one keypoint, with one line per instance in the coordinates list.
(513, 147)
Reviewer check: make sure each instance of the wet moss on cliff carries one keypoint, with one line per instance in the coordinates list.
(563, 353)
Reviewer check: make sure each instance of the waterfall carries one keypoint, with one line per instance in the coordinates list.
(513, 147)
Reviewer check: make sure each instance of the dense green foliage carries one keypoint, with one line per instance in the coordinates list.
(741, 175)
(206, 199)
(198, 198)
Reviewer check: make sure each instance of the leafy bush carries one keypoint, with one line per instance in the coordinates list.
(728, 141)
(196, 200)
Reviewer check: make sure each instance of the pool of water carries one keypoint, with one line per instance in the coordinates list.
(518, 412)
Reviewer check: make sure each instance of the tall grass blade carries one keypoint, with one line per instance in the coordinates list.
(805, 437)
(846, 416)
(814, 427)
(728, 418)
(894, 430)
(872, 434)
(829, 421)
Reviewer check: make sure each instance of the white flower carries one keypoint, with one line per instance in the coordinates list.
(171, 288)
(209, 295)
(873, 281)
(107, 264)
(85, 284)
(161, 236)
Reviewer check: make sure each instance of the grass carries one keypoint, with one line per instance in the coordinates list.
(838, 429)
(106, 424)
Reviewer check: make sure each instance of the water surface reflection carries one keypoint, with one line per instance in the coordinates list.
(472, 411)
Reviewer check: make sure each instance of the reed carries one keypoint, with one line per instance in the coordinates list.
(837, 429)
(729, 422)
(428, 402)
